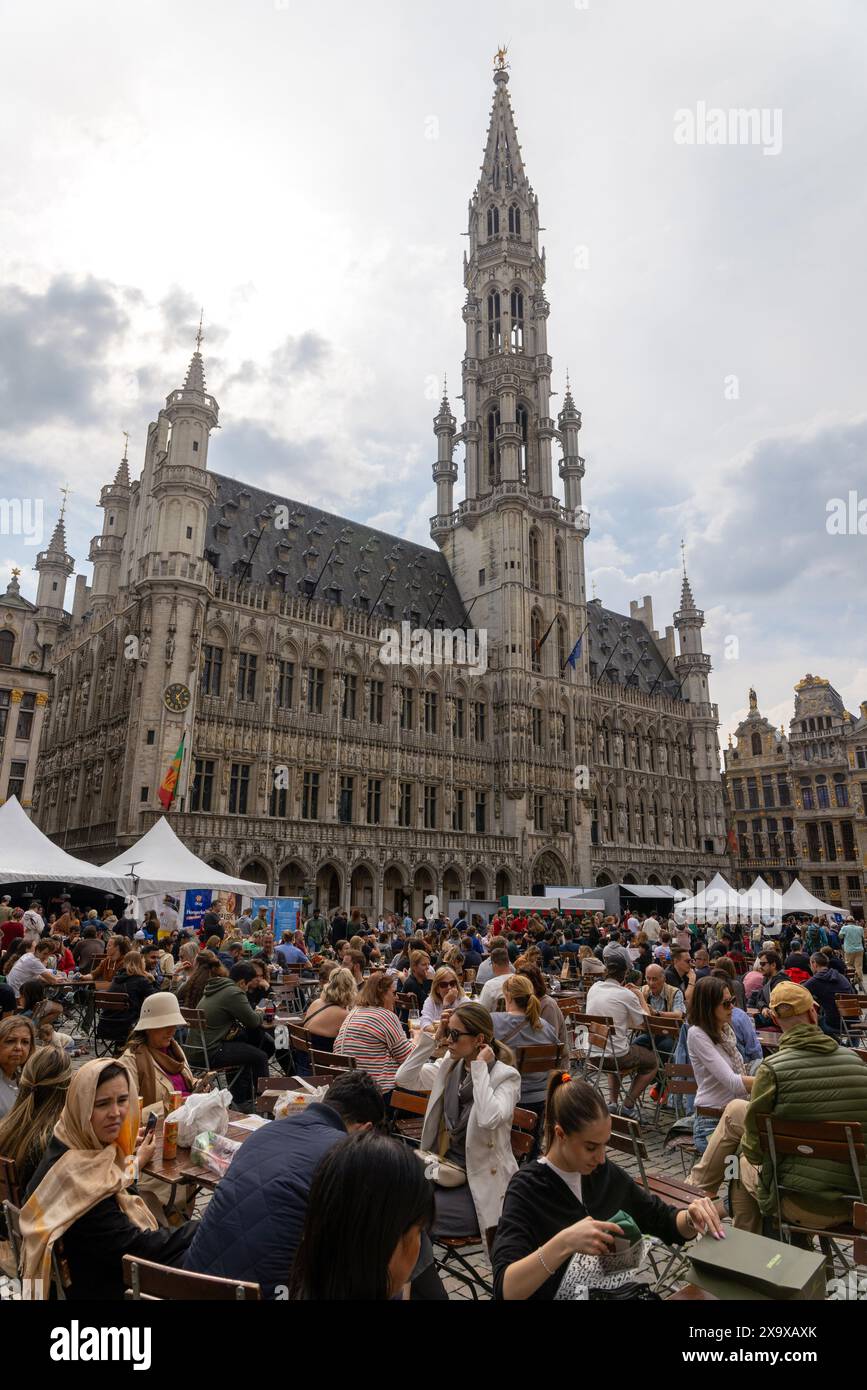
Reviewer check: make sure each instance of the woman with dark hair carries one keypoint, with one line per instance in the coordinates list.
(713, 1051)
(562, 1205)
(132, 980)
(80, 1190)
(29, 1125)
(205, 968)
(31, 995)
(474, 1089)
(369, 1204)
(108, 965)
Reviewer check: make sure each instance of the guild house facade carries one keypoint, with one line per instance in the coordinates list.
(369, 721)
(797, 802)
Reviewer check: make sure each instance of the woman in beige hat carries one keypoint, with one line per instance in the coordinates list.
(161, 1065)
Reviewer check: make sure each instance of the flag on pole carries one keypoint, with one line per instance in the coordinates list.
(575, 654)
(540, 641)
(170, 781)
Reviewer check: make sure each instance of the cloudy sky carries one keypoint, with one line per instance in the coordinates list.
(303, 172)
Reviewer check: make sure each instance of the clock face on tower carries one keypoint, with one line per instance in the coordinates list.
(176, 698)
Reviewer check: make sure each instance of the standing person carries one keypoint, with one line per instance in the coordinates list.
(563, 1204)
(474, 1089)
(27, 1128)
(369, 1204)
(316, 932)
(17, 1041)
(852, 941)
(80, 1190)
(713, 1052)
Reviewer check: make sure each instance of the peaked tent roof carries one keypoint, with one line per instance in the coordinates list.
(797, 898)
(26, 855)
(717, 902)
(165, 865)
(761, 898)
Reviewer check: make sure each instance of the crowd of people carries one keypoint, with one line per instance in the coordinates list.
(333, 1202)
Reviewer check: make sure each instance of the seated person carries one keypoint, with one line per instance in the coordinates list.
(808, 1078)
(81, 1191)
(253, 1222)
(26, 1130)
(327, 1014)
(742, 1025)
(287, 954)
(561, 1205)
(824, 984)
(233, 1030)
(625, 1004)
(771, 966)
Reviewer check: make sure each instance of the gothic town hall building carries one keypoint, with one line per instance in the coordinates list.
(254, 623)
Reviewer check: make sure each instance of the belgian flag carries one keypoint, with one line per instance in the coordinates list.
(170, 781)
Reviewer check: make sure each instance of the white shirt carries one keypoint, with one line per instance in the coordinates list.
(572, 1180)
(608, 999)
(634, 925)
(651, 929)
(492, 993)
(26, 967)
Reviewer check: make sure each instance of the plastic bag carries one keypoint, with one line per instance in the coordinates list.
(208, 1110)
(293, 1102)
(214, 1151)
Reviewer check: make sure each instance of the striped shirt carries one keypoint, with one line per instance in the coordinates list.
(375, 1038)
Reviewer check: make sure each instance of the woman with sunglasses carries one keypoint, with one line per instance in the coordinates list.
(713, 1051)
(474, 1089)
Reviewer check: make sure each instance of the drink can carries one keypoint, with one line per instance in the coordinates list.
(176, 1100)
(170, 1139)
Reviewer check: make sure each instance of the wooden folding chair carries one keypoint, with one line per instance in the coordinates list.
(531, 1060)
(852, 1026)
(414, 1105)
(106, 1003)
(523, 1133)
(196, 1022)
(833, 1141)
(146, 1281)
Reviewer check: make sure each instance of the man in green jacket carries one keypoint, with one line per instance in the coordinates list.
(811, 1079)
(233, 1032)
(316, 932)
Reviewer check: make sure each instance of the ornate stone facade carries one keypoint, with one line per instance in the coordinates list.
(25, 681)
(319, 764)
(798, 804)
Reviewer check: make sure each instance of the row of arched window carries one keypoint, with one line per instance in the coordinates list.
(495, 326)
(514, 221)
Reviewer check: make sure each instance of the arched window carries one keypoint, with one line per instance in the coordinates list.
(493, 448)
(517, 312)
(495, 333)
(757, 745)
(562, 652)
(514, 220)
(7, 642)
(493, 222)
(535, 639)
(535, 568)
(559, 569)
(523, 421)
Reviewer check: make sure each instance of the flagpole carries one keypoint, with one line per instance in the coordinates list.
(566, 662)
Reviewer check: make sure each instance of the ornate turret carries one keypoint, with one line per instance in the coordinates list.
(106, 550)
(445, 470)
(572, 464)
(54, 565)
(692, 665)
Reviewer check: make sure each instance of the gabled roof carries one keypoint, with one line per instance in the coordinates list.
(609, 629)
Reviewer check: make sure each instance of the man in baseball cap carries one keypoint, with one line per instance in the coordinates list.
(808, 1079)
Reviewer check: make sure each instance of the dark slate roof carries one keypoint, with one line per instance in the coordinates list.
(607, 629)
(295, 557)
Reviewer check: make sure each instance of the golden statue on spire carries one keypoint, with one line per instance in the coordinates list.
(500, 57)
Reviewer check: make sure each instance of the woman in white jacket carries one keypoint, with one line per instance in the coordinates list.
(468, 1121)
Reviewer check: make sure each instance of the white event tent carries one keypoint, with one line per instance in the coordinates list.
(163, 864)
(28, 856)
(762, 901)
(797, 899)
(717, 902)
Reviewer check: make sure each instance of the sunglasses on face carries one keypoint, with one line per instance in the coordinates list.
(728, 1003)
(454, 1033)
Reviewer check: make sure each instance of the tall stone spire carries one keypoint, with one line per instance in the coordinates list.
(445, 470)
(692, 665)
(54, 567)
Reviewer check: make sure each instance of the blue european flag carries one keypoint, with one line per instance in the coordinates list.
(575, 654)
